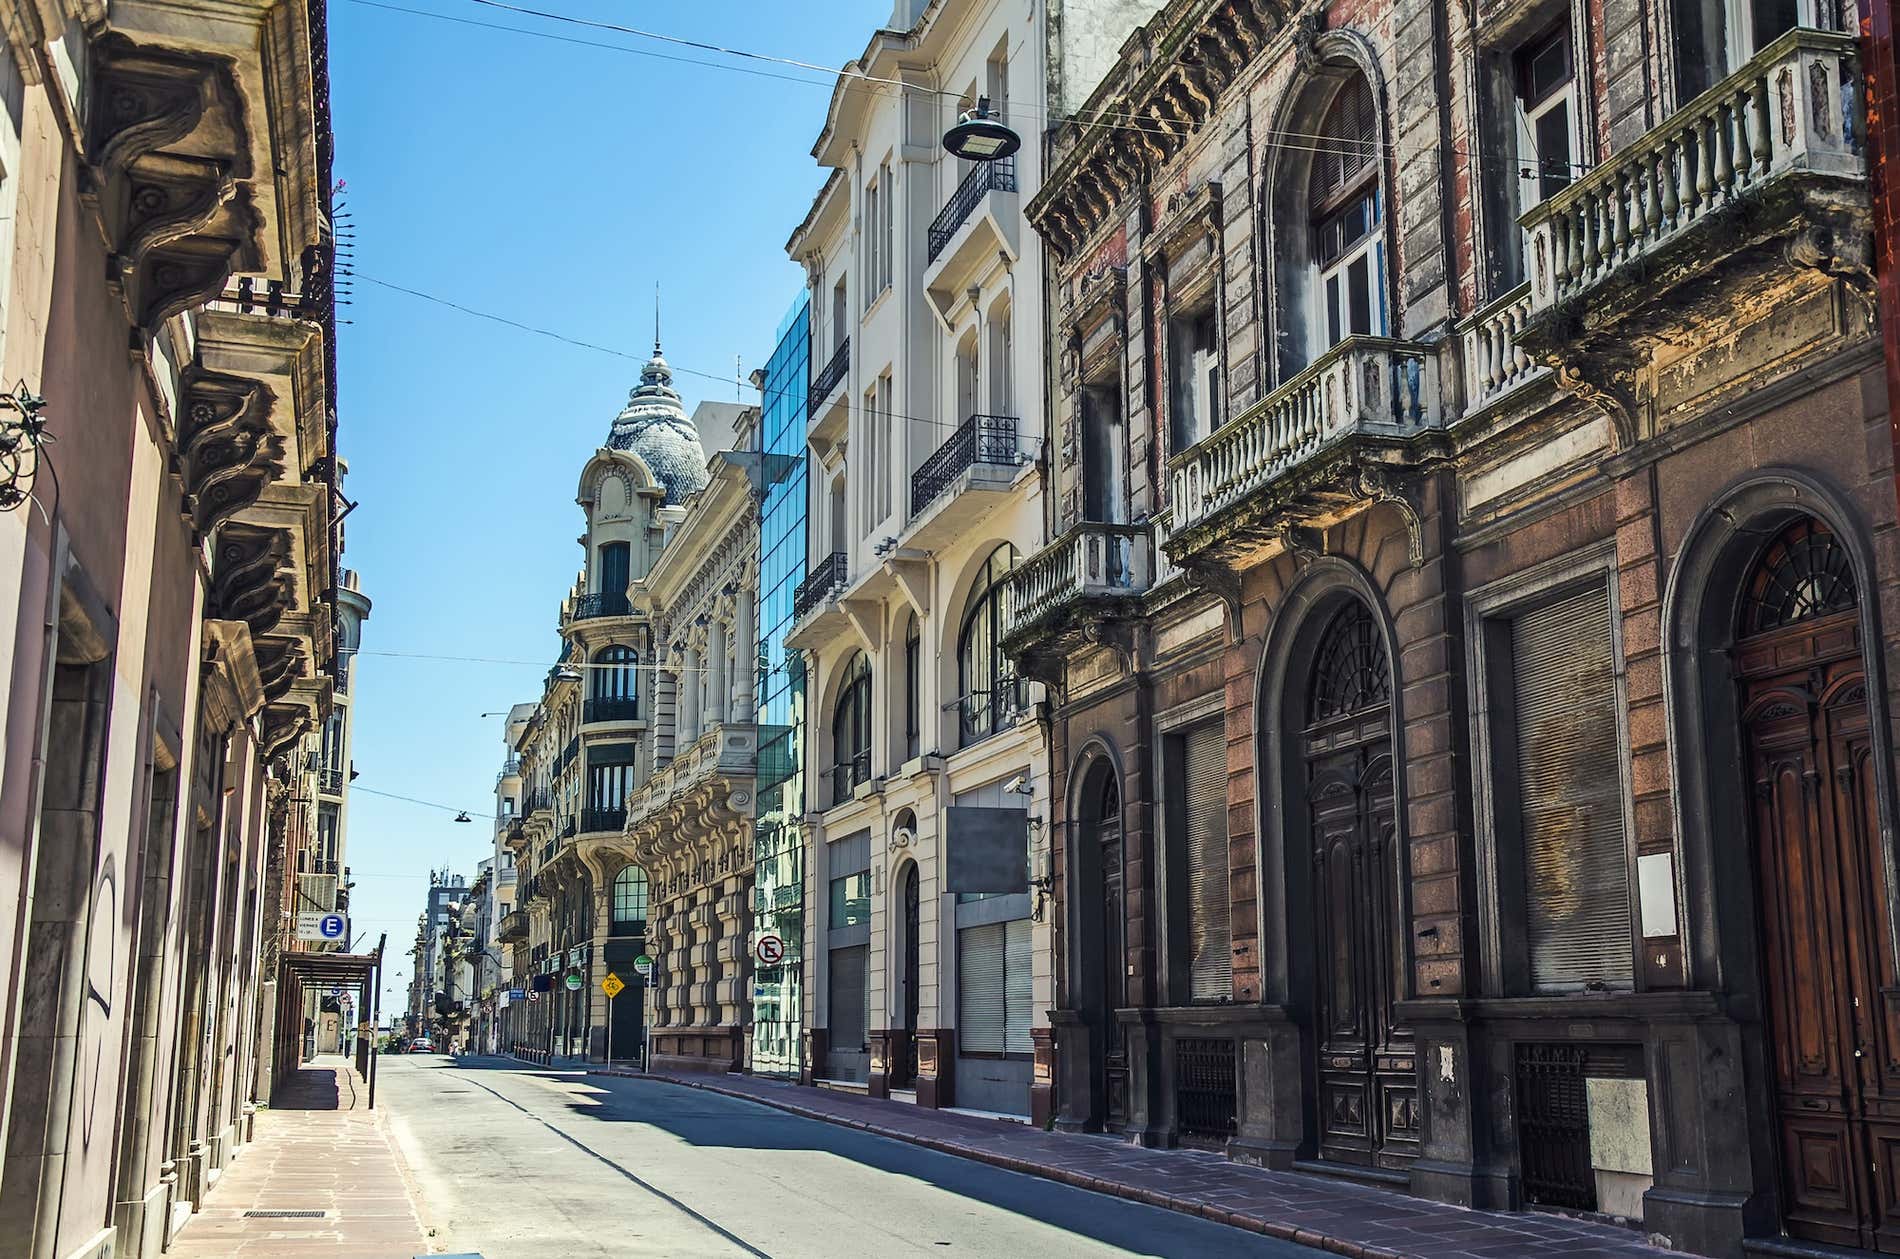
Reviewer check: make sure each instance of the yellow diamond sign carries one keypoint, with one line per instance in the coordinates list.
(612, 985)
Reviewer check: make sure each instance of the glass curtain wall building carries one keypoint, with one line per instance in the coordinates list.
(778, 990)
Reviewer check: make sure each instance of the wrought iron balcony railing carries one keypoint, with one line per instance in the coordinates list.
(330, 781)
(980, 439)
(603, 603)
(828, 377)
(848, 775)
(610, 708)
(1089, 561)
(981, 714)
(593, 820)
(568, 830)
(827, 576)
(984, 178)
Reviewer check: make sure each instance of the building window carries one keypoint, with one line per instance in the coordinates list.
(879, 227)
(1715, 37)
(630, 901)
(1556, 758)
(1104, 453)
(913, 689)
(1345, 206)
(851, 900)
(1547, 140)
(1193, 378)
(851, 730)
(994, 999)
(611, 684)
(992, 695)
(1197, 776)
(614, 569)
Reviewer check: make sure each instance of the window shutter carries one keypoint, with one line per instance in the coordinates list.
(981, 995)
(848, 998)
(1018, 975)
(1576, 868)
(1210, 939)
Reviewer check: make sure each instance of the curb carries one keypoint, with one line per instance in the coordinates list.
(1114, 1189)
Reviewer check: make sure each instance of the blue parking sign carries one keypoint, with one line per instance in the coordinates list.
(333, 926)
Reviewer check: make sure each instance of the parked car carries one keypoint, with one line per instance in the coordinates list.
(422, 1045)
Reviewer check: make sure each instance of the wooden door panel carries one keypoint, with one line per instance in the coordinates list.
(1800, 945)
(1819, 1169)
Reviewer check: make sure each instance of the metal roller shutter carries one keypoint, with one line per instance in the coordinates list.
(1576, 866)
(848, 998)
(1210, 943)
(982, 996)
(1017, 1001)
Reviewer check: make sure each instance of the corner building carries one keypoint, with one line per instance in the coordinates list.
(1470, 622)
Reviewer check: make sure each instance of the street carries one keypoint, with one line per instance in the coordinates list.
(521, 1163)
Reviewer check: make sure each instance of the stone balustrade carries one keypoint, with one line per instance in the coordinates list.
(1091, 560)
(1495, 359)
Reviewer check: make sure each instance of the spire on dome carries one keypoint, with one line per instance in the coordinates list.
(654, 425)
(656, 319)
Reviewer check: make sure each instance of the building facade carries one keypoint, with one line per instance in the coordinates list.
(690, 815)
(927, 949)
(169, 579)
(1469, 624)
(778, 869)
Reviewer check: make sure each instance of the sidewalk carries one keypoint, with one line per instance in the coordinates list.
(1339, 1216)
(320, 1148)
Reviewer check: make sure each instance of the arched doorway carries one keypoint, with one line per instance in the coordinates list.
(1363, 1085)
(905, 1075)
(1821, 885)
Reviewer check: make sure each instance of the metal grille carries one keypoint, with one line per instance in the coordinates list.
(1350, 674)
(285, 1215)
(999, 175)
(979, 439)
(607, 603)
(828, 574)
(1553, 1127)
(1205, 1102)
(1804, 573)
(828, 377)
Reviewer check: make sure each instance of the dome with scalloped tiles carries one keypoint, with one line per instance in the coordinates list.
(654, 426)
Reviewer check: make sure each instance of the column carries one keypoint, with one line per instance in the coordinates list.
(715, 693)
(600, 1009)
(747, 656)
(687, 723)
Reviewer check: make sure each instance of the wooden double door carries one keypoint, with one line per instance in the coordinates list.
(1827, 949)
(1365, 1082)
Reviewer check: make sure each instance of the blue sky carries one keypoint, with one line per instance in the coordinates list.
(551, 183)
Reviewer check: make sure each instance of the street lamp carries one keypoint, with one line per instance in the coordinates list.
(977, 137)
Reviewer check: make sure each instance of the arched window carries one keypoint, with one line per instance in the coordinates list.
(1346, 209)
(851, 730)
(992, 695)
(1804, 572)
(1350, 674)
(612, 685)
(630, 901)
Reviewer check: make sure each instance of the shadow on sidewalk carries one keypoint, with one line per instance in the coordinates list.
(320, 1087)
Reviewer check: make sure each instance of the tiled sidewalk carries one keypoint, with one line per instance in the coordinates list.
(1333, 1215)
(319, 1148)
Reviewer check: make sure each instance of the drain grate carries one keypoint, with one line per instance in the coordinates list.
(285, 1215)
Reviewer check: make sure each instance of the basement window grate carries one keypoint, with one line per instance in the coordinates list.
(1553, 1127)
(285, 1215)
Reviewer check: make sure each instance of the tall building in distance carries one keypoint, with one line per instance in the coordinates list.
(778, 986)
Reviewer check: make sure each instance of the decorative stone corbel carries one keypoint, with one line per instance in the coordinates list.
(251, 578)
(227, 451)
(1374, 483)
(1843, 253)
(1607, 382)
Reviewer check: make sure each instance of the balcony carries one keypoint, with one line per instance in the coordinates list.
(568, 828)
(610, 709)
(596, 821)
(1305, 453)
(604, 603)
(513, 927)
(1091, 574)
(536, 802)
(848, 775)
(1765, 169)
(821, 582)
(510, 768)
(981, 714)
(983, 456)
(1496, 362)
(983, 179)
(330, 782)
(829, 377)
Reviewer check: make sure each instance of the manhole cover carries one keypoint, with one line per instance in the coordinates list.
(285, 1215)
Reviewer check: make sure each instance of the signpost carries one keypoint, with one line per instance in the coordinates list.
(612, 986)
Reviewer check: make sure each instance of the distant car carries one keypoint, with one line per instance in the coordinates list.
(422, 1045)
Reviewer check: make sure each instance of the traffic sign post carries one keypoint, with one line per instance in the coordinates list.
(612, 986)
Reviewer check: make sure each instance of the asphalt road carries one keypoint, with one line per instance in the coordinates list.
(515, 1162)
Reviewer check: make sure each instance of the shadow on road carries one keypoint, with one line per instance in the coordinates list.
(714, 1120)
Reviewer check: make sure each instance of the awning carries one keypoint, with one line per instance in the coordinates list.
(337, 970)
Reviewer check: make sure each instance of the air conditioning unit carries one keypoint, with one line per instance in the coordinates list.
(316, 893)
